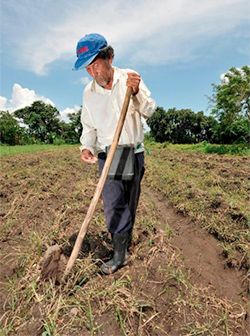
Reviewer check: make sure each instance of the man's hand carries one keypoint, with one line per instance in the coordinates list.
(88, 157)
(133, 81)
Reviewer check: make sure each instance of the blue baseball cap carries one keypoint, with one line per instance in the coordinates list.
(88, 48)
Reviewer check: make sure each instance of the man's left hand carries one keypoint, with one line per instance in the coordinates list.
(133, 81)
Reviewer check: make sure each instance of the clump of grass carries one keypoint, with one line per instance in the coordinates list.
(240, 149)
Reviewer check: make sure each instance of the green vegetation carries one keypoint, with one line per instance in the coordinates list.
(40, 125)
(42, 121)
(227, 124)
(231, 106)
(241, 149)
(13, 150)
(10, 131)
(181, 126)
(203, 147)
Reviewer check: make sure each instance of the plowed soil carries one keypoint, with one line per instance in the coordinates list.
(176, 281)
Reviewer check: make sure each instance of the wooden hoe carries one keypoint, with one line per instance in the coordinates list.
(50, 265)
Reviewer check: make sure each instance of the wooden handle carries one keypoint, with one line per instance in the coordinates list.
(100, 184)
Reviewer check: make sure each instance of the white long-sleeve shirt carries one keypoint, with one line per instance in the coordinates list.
(101, 110)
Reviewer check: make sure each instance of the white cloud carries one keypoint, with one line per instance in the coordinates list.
(3, 102)
(21, 97)
(225, 77)
(69, 110)
(143, 31)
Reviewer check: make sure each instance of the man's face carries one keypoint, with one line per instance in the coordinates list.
(102, 71)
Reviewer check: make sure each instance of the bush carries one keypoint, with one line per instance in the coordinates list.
(58, 141)
(10, 131)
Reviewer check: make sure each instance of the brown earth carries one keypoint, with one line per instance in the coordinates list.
(175, 284)
(200, 252)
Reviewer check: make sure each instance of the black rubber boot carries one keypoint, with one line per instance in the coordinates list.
(120, 241)
(130, 237)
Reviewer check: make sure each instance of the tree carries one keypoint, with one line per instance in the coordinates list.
(158, 124)
(231, 105)
(42, 121)
(204, 127)
(10, 131)
(75, 123)
(72, 130)
(181, 126)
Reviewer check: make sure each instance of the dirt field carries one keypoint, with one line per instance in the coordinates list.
(188, 270)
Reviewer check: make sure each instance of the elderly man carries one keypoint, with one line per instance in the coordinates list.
(102, 102)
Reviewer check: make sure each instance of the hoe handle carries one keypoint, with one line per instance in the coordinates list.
(100, 185)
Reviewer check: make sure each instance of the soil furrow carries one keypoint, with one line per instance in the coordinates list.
(201, 252)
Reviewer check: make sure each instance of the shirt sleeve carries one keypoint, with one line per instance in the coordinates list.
(143, 102)
(88, 137)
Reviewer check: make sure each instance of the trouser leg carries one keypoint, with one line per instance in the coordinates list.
(121, 198)
(133, 191)
(120, 203)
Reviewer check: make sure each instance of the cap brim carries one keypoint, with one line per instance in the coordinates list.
(82, 63)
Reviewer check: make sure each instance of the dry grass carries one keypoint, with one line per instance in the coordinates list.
(45, 197)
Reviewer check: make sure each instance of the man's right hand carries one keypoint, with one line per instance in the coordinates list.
(88, 157)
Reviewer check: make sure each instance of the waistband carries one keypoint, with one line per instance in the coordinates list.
(103, 155)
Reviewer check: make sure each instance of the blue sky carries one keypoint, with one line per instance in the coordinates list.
(179, 47)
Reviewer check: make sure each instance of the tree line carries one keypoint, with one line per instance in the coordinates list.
(227, 123)
(39, 123)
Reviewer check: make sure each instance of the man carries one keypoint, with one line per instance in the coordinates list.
(102, 103)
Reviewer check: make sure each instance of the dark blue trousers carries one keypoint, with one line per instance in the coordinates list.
(121, 198)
